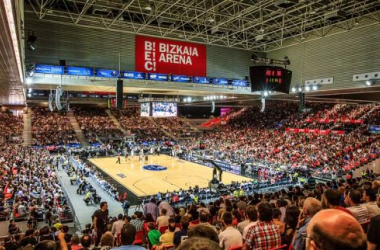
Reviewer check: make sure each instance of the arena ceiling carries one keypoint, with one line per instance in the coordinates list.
(261, 25)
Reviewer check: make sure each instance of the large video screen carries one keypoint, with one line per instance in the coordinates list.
(164, 109)
(145, 109)
(268, 78)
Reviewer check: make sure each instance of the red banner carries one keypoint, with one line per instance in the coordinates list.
(169, 57)
(326, 120)
(315, 131)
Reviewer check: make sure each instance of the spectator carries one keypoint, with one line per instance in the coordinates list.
(252, 216)
(85, 241)
(153, 234)
(128, 234)
(199, 243)
(163, 220)
(151, 208)
(75, 243)
(181, 234)
(334, 229)
(13, 228)
(230, 236)
(369, 196)
(106, 242)
(373, 233)
(265, 234)
(277, 220)
(117, 225)
(137, 221)
(331, 198)
(291, 221)
(167, 239)
(359, 211)
(311, 207)
(165, 205)
(100, 221)
(203, 232)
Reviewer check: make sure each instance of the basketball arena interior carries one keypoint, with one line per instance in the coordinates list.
(198, 124)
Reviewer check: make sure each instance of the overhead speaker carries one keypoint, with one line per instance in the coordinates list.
(119, 94)
(301, 97)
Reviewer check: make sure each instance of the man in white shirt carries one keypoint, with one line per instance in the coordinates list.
(230, 236)
(359, 211)
(165, 205)
(369, 195)
(117, 225)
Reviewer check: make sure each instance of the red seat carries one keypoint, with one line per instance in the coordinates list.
(118, 239)
(139, 238)
(163, 229)
(236, 248)
(195, 222)
(282, 247)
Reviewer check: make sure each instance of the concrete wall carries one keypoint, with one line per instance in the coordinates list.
(339, 56)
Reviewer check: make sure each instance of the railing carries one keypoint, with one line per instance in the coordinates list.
(76, 220)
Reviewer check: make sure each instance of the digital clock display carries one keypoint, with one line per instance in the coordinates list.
(268, 78)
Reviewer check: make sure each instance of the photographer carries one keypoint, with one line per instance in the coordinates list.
(126, 205)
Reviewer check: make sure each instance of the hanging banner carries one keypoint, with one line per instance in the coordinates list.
(49, 69)
(197, 79)
(169, 57)
(80, 71)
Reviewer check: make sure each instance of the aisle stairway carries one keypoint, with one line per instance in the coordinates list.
(167, 133)
(27, 132)
(115, 121)
(77, 129)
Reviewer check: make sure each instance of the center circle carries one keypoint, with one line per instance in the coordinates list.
(155, 167)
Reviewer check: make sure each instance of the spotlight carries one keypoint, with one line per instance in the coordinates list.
(31, 40)
(294, 90)
(28, 80)
(299, 89)
(205, 98)
(266, 93)
(315, 87)
(368, 83)
(307, 88)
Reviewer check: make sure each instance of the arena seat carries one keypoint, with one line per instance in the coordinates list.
(163, 229)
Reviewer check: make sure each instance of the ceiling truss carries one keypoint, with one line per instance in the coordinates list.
(227, 23)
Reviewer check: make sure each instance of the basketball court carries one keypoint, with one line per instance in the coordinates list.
(160, 174)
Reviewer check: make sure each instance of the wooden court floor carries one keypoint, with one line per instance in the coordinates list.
(179, 174)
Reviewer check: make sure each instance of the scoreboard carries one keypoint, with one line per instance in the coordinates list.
(269, 78)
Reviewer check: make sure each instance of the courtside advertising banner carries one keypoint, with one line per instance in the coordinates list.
(170, 57)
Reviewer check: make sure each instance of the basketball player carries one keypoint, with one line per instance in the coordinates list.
(126, 155)
(132, 153)
(118, 159)
(146, 157)
(141, 155)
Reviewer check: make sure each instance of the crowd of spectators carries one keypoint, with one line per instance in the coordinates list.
(96, 124)
(29, 186)
(335, 215)
(11, 127)
(51, 128)
(176, 126)
(143, 127)
(257, 137)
